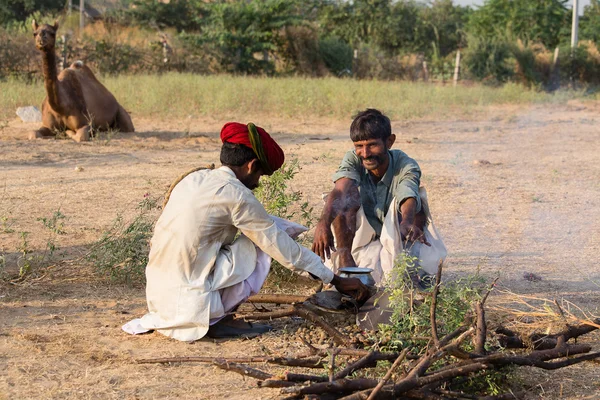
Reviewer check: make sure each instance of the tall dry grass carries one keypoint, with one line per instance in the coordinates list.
(172, 96)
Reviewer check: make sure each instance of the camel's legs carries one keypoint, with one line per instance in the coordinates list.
(82, 134)
(123, 121)
(43, 132)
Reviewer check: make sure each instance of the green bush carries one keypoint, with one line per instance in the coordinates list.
(337, 55)
(121, 254)
(489, 60)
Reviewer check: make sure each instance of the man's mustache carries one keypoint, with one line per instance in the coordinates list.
(370, 159)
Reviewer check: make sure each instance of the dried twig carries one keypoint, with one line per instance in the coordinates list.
(242, 369)
(363, 362)
(389, 373)
(339, 386)
(277, 298)
(312, 362)
(432, 309)
(480, 329)
(305, 313)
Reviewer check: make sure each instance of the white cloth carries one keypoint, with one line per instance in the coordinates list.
(194, 257)
(380, 253)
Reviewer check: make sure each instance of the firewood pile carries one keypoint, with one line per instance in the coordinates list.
(353, 373)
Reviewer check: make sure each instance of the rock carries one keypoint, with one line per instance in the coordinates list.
(531, 277)
(78, 168)
(29, 114)
(481, 162)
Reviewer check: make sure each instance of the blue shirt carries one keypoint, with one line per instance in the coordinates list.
(400, 181)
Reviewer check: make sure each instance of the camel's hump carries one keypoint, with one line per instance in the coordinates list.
(77, 64)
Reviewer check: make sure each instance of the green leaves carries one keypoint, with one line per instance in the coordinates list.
(541, 20)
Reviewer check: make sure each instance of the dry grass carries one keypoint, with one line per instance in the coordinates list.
(220, 97)
(527, 314)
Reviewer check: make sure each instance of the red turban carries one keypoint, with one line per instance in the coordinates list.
(266, 149)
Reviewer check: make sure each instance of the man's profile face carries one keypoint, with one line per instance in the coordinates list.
(251, 180)
(373, 153)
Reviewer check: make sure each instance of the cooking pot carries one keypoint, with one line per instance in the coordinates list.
(363, 274)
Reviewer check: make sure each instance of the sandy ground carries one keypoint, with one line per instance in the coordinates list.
(512, 190)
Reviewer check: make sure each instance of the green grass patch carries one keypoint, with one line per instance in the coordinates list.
(174, 96)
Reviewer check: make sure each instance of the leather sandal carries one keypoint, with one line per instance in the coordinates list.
(236, 328)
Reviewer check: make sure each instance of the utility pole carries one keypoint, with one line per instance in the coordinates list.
(81, 16)
(575, 24)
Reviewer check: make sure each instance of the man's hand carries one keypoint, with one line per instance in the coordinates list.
(413, 233)
(352, 287)
(323, 240)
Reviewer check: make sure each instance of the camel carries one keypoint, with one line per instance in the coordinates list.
(75, 100)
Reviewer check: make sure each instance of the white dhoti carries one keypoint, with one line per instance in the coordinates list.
(380, 253)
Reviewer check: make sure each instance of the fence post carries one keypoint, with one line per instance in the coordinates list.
(554, 83)
(81, 16)
(425, 71)
(457, 67)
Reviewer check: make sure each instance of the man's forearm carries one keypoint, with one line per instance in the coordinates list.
(408, 210)
(331, 211)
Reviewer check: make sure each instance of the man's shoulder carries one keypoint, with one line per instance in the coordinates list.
(401, 159)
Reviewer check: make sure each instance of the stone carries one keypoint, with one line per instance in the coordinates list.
(29, 114)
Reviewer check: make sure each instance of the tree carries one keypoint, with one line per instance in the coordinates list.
(19, 10)
(237, 31)
(590, 22)
(529, 20)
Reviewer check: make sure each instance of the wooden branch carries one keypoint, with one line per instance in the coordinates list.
(292, 377)
(492, 286)
(277, 298)
(432, 309)
(242, 369)
(480, 330)
(363, 362)
(390, 371)
(377, 355)
(261, 316)
(510, 339)
(275, 383)
(331, 367)
(305, 313)
(339, 386)
(311, 362)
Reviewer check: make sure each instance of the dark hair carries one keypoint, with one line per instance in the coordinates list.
(235, 155)
(370, 124)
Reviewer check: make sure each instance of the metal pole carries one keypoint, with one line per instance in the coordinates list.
(81, 17)
(575, 25)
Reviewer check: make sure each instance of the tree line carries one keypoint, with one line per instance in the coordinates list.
(501, 40)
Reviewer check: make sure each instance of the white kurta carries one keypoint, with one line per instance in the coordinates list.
(193, 255)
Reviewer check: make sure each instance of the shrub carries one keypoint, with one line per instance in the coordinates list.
(122, 252)
(489, 60)
(337, 55)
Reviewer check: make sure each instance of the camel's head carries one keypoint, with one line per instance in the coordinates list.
(44, 35)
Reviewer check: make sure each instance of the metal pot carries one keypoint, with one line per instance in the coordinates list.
(363, 274)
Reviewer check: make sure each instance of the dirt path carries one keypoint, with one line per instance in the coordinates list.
(512, 191)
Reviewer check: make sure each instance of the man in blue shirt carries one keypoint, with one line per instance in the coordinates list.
(370, 180)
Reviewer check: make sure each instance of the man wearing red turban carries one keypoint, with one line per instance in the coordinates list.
(199, 268)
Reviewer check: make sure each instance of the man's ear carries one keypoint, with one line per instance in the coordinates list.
(391, 140)
(253, 165)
